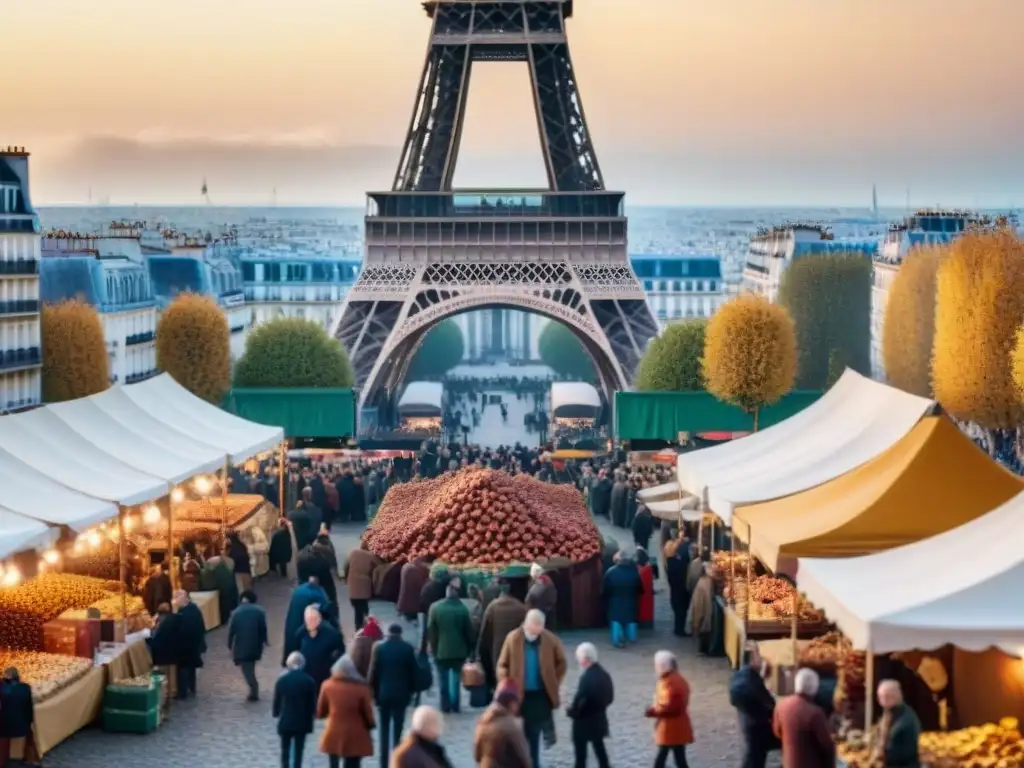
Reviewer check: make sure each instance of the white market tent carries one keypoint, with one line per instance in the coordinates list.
(32, 494)
(846, 428)
(421, 398)
(18, 533)
(574, 400)
(688, 507)
(662, 492)
(899, 600)
(120, 438)
(178, 410)
(44, 442)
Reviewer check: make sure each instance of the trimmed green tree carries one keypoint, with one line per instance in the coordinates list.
(561, 351)
(442, 349)
(672, 360)
(829, 298)
(291, 352)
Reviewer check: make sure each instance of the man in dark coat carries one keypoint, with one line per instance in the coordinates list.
(677, 556)
(303, 596)
(280, 552)
(503, 615)
(433, 590)
(643, 527)
(620, 593)
(393, 674)
(602, 492)
(163, 641)
(191, 637)
(247, 635)
(755, 706)
(17, 713)
(310, 562)
(157, 590)
(617, 501)
(589, 707)
(320, 645)
(295, 708)
(305, 520)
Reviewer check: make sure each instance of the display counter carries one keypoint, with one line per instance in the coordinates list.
(209, 605)
(737, 632)
(65, 713)
(128, 660)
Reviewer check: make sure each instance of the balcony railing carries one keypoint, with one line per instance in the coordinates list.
(19, 267)
(20, 358)
(511, 204)
(139, 338)
(133, 378)
(19, 306)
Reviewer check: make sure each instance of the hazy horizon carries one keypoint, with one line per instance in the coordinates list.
(790, 103)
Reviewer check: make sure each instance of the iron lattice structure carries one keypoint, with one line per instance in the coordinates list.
(433, 252)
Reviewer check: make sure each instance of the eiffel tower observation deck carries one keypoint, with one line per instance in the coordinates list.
(433, 251)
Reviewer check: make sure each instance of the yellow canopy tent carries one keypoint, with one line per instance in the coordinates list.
(933, 480)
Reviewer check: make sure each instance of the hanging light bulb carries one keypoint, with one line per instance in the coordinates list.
(178, 495)
(51, 556)
(114, 534)
(202, 484)
(11, 578)
(94, 539)
(152, 515)
(129, 523)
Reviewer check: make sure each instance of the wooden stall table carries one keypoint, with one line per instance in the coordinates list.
(65, 713)
(208, 604)
(128, 660)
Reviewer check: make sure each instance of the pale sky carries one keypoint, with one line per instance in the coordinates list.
(689, 101)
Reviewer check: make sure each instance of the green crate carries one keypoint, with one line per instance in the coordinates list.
(130, 698)
(126, 721)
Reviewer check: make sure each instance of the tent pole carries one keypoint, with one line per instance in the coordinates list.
(224, 506)
(123, 568)
(282, 457)
(750, 566)
(795, 623)
(732, 567)
(869, 693)
(171, 570)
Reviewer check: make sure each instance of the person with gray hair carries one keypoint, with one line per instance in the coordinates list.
(320, 644)
(802, 726)
(346, 702)
(673, 731)
(533, 658)
(900, 727)
(588, 711)
(542, 595)
(294, 707)
(422, 747)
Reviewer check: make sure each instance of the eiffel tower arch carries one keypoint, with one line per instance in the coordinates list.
(432, 252)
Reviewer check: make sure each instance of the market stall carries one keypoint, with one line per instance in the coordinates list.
(852, 423)
(420, 407)
(931, 481)
(18, 533)
(903, 599)
(485, 521)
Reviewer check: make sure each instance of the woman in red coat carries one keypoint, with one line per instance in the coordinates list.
(645, 608)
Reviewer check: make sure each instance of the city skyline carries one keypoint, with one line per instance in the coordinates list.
(790, 103)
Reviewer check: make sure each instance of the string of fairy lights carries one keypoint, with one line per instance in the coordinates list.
(148, 516)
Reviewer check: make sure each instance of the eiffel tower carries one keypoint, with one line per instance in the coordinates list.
(432, 252)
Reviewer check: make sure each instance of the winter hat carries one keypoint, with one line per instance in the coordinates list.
(507, 693)
(371, 628)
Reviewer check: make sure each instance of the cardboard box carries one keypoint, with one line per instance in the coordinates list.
(72, 637)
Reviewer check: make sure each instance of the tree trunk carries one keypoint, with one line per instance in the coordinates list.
(757, 412)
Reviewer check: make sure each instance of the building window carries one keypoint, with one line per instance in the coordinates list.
(676, 286)
(689, 286)
(712, 286)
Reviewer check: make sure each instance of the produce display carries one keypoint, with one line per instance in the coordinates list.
(726, 563)
(822, 654)
(110, 609)
(995, 745)
(482, 516)
(771, 598)
(851, 685)
(47, 673)
(142, 681)
(102, 562)
(25, 608)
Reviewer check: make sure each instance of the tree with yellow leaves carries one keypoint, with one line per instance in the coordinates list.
(750, 353)
(1017, 362)
(193, 345)
(980, 303)
(75, 362)
(908, 332)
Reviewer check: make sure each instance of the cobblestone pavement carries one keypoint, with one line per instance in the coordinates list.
(220, 729)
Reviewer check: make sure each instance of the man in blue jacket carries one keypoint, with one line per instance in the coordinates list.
(393, 676)
(303, 596)
(621, 592)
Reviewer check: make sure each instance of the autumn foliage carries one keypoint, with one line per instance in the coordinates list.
(750, 353)
(75, 362)
(193, 345)
(672, 360)
(908, 332)
(979, 306)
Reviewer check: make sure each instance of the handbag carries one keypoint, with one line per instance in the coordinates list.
(424, 672)
(472, 674)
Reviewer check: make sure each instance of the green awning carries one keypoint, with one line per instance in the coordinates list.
(303, 412)
(663, 415)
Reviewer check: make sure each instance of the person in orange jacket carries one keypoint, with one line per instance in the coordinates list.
(672, 728)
